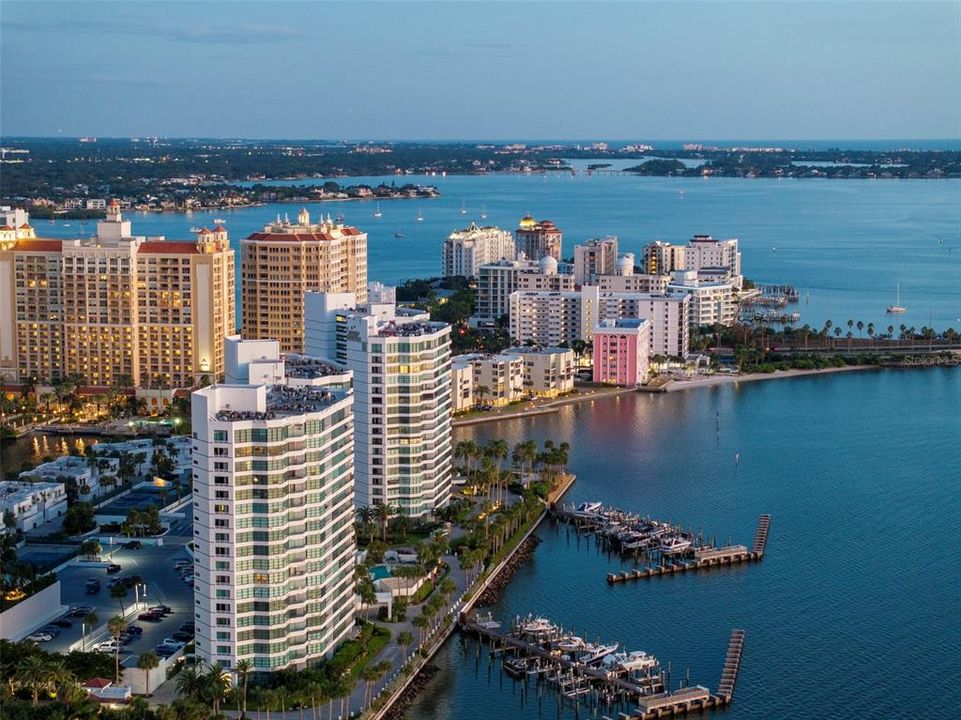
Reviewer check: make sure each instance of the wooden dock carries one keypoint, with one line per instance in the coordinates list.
(652, 698)
(704, 558)
(725, 689)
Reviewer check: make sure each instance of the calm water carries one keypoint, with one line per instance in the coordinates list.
(847, 243)
(857, 604)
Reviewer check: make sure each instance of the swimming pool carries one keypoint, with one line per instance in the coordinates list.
(379, 572)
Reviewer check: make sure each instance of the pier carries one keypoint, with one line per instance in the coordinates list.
(541, 657)
(704, 558)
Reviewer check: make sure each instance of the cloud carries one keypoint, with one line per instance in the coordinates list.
(237, 35)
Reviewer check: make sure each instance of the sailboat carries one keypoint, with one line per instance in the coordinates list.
(463, 208)
(399, 234)
(897, 308)
(483, 212)
(377, 212)
(420, 216)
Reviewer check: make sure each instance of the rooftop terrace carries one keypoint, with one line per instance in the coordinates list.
(283, 401)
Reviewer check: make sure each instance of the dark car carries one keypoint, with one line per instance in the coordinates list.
(80, 611)
(164, 651)
(132, 545)
(63, 622)
(113, 568)
(188, 627)
(92, 588)
(183, 635)
(150, 616)
(162, 609)
(135, 630)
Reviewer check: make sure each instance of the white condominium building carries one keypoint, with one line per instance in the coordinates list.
(32, 504)
(595, 258)
(466, 250)
(548, 371)
(495, 379)
(712, 302)
(403, 411)
(702, 253)
(273, 509)
(561, 318)
(496, 281)
(553, 318)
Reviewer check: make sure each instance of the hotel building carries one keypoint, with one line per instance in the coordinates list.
(703, 254)
(273, 509)
(115, 306)
(287, 260)
(621, 351)
(538, 238)
(466, 250)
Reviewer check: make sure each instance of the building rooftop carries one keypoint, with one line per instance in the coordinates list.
(283, 401)
(411, 329)
(537, 350)
(307, 368)
(14, 491)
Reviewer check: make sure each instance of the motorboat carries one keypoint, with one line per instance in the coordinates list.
(571, 644)
(632, 661)
(674, 545)
(588, 510)
(594, 653)
(535, 627)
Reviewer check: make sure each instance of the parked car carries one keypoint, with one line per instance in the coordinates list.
(170, 642)
(92, 587)
(63, 623)
(135, 630)
(132, 545)
(50, 630)
(165, 651)
(183, 636)
(188, 579)
(163, 609)
(40, 637)
(113, 568)
(80, 610)
(150, 616)
(188, 626)
(108, 646)
(183, 564)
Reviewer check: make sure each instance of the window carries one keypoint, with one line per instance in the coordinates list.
(223, 607)
(219, 435)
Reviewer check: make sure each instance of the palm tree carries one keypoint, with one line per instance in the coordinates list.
(63, 682)
(218, 685)
(117, 626)
(33, 673)
(89, 620)
(365, 515)
(482, 391)
(147, 662)
(404, 640)
(190, 681)
(498, 451)
(243, 670)
(860, 326)
(421, 622)
(384, 512)
(119, 592)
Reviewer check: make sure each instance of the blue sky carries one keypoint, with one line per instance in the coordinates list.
(403, 70)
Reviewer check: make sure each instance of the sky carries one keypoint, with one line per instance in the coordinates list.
(472, 70)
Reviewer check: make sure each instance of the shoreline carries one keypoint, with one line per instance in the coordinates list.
(672, 385)
(716, 380)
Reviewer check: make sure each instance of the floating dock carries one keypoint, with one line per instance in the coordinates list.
(704, 558)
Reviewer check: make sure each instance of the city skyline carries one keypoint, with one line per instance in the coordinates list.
(131, 70)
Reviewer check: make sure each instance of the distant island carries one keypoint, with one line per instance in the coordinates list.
(60, 175)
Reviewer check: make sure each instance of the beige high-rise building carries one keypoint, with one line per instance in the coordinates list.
(115, 306)
(287, 260)
(595, 258)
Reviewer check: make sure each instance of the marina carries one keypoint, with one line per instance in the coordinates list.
(666, 548)
(633, 685)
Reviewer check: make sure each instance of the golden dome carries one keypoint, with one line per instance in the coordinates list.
(527, 222)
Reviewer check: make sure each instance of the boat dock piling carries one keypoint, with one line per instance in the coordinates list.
(575, 679)
(725, 688)
(760, 535)
(704, 558)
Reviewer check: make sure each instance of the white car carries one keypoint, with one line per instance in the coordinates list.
(40, 637)
(171, 643)
(108, 646)
(188, 579)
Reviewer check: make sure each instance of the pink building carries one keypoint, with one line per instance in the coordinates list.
(621, 351)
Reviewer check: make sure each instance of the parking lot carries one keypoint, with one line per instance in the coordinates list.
(155, 566)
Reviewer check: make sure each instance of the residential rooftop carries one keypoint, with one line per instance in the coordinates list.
(304, 367)
(283, 401)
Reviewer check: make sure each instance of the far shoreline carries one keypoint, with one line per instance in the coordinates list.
(718, 380)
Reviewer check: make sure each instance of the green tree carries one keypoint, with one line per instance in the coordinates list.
(91, 549)
(116, 626)
(404, 641)
(119, 592)
(147, 662)
(89, 622)
(33, 674)
(218, 685)
(243, 669)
